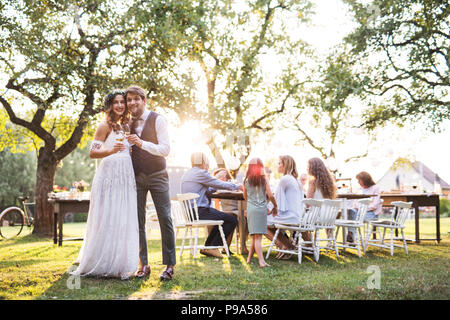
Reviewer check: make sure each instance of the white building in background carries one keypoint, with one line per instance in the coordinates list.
(413, 177)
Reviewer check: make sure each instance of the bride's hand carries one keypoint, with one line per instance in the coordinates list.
(117, 147)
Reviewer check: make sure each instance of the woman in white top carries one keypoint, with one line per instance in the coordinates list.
(288, 196)
(370, 188)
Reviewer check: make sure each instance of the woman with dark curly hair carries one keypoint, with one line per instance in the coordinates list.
(320, 183)
(111, 242)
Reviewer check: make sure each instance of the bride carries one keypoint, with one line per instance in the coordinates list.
(111, 243)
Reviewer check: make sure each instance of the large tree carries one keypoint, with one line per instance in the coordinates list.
(228, 50)
(60, 58)
(325, 116)
(403, 47)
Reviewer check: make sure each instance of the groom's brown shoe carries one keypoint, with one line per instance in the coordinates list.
(142, 273)
(167, 274)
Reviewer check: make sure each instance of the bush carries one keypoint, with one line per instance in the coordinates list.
(444, 207)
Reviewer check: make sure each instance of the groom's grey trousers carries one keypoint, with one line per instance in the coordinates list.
(158, 185)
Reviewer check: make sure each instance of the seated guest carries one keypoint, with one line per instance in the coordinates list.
(368, 187)
(320, 182)
(198, 180)
(227, 205)
(288, 196)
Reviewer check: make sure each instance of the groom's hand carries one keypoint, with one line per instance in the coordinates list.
(134, 139)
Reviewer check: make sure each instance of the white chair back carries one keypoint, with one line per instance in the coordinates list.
(189, 206)
(329, 212)
(403, 210)
(178, 216)
(363, 205)
(310, 215)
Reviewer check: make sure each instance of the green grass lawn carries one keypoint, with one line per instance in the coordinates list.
(35, 268)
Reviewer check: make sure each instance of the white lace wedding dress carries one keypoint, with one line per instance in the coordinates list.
(111, 242)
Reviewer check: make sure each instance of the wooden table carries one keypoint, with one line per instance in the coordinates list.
(242, 222)
(418, 200)
(60, 208)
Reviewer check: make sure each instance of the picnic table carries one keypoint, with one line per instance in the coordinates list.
(61, 207)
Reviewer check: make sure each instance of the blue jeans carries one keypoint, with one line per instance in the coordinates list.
(351, 215)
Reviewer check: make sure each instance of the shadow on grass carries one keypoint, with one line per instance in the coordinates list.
(29, 238)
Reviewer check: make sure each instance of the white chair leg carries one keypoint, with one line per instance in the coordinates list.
(404, 242)
(368, 233)
(314, 247)
(273, 242)
(195, 243)
(182, 241)
(299, 248)
(317, 240)
(392, 242)
(334, 243)
(358, 243)
(362, 240)
(224, 241)
(190, 241)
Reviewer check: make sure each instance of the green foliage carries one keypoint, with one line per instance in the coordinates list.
(76, 166)
(58, 59)
(18, 176)
(403, 49)
(325, 101)
(444, 207)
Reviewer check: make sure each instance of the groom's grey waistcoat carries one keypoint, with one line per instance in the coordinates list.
(144, 161)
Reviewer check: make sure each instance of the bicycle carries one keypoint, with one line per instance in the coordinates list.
(13, 219)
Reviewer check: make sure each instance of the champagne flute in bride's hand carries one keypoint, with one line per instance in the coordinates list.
(127, 131)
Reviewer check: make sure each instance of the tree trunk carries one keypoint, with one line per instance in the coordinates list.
(216, 153)
(45, 176)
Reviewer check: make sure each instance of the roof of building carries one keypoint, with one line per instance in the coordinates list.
(428, 174)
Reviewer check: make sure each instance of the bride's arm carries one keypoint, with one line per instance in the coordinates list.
(97, 150)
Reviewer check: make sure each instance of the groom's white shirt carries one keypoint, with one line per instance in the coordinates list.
(163, 147)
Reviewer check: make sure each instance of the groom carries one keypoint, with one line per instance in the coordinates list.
(150, 140)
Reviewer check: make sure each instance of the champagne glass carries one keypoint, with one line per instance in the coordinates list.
(127, 131)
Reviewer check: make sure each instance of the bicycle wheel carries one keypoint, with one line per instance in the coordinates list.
(11, 222)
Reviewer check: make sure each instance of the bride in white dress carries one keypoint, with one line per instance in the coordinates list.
(111, 242)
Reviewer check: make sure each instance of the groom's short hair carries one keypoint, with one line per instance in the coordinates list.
(136, 90)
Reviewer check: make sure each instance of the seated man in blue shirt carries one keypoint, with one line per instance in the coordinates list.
(198, 180)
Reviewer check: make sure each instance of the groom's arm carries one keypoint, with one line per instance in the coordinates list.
(162, 148)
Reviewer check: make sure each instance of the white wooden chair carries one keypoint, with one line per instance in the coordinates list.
(358, 223)
(151, 217)
(190, 211)
(367, 226)
(307, 224)
(178, 218)
(397, 221)
(326, 221)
